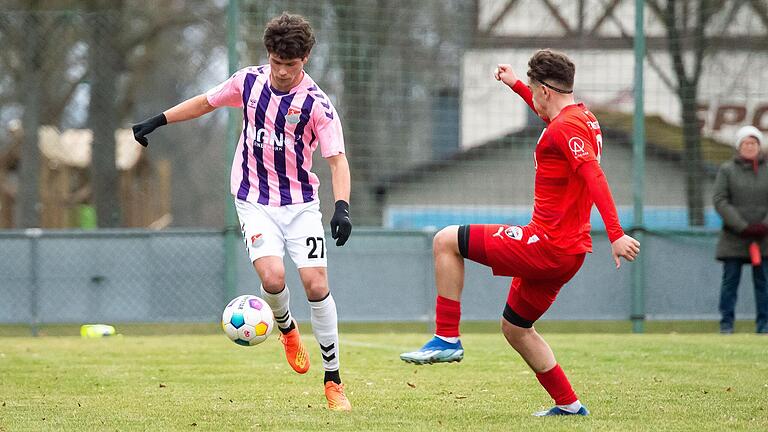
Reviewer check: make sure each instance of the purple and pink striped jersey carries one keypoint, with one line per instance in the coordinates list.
(273, 159)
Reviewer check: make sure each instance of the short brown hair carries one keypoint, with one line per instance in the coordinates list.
(552, 67)
(289, 36)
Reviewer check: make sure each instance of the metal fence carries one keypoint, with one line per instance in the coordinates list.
(381, 275)
(119, 276)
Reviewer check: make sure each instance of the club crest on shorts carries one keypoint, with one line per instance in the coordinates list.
(514, 232)
(293, 116)
(257, 240)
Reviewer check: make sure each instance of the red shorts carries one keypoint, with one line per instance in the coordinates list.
(523, 252)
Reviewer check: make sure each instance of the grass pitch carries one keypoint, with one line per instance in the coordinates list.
(204, 382)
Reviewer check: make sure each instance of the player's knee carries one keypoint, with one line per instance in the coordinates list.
(515, 335)
(446, 240)
(316, 289)
(273, 281)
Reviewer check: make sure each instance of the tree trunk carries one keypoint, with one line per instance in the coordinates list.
(694, 188)
(28, 195)
(102, 114)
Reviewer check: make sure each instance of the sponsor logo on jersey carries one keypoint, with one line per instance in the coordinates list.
(275, 140)
(533, 239)
(577, 147)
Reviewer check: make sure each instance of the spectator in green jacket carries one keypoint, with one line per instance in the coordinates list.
(741, 198)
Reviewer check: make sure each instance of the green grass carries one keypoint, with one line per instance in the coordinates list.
(196, 382)
(545, 326)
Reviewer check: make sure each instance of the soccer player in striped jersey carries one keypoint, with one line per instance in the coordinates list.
(286, 117)
(545, 254)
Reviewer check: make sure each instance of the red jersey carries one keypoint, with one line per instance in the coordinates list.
(569, 179)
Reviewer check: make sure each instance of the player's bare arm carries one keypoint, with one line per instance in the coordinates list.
(341, 224)
(340, 176)
(624, 247)
(505, 74)
(187, 110)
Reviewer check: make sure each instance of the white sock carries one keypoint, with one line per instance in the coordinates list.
(325, 327)
(279, 304)
(572, 408)
(453, 339)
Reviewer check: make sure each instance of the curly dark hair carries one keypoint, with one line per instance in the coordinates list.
(552, 67)
(289, 36)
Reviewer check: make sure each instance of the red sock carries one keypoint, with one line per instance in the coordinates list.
(447, 317)
(556, 384)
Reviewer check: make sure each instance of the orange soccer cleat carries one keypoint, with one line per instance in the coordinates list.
(337, 400)
(295, 352)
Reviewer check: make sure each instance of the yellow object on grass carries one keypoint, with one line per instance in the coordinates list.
(96, 330)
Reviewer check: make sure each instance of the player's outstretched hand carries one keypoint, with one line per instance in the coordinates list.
(341, 224)
(625, 247)
(144, 128)
(505, 74)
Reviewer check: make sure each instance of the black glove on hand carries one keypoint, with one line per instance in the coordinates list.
(755, 230)
(341, 225)
(147, 126)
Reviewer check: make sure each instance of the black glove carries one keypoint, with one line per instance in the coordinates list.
(341, 225)
(755, 230)
(146, 127)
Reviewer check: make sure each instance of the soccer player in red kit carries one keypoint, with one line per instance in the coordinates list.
(545, 254)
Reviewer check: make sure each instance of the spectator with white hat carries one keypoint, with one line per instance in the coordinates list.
(741, 198)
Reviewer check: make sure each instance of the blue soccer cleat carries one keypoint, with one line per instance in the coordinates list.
(556, 411)
(435, 351)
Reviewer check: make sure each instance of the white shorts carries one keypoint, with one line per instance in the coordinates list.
(268, 230)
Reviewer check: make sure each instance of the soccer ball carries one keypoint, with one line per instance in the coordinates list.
(247, 320)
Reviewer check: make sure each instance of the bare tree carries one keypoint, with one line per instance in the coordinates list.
(27, 211)
(363, 22)
(685, 22)
(105, 64)
(114, 40)
(103, 47)
(38, 82)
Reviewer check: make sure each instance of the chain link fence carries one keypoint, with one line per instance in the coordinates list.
(177, 276)
(123, 276)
